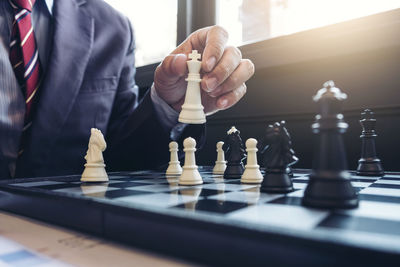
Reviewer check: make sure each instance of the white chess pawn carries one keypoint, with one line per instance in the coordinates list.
(190, 174)
(192, 109)
(174, 167)
(252, 173)
(220, 163)
(95, 167)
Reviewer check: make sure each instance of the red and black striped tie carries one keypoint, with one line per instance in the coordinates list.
(24, 57)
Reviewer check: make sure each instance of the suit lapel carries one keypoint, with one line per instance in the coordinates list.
(71, 49)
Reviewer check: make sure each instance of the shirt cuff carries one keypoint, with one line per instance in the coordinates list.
(165, 113)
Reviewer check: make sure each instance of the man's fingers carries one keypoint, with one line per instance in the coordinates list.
(229, 99)
(228, 63)
(215, 41)
(171, 69)
(241, 74)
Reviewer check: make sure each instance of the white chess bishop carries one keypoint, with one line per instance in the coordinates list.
(190, 174)
(95, 167)
(174, 167)
(192, 110)
(252, 173)
(220, 163)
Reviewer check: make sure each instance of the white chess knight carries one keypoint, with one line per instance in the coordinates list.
(190, 174)
(95, 167)
(192, 110)
(174, 167)
(252, 173)
(220, 163)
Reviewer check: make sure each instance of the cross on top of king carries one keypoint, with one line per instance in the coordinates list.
(194, 56)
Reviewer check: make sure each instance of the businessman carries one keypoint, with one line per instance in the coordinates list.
(67, 66)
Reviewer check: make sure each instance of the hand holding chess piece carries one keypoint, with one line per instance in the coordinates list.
(224, 71)
(95, 167)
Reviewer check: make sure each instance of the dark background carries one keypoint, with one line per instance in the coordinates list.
(362, 57)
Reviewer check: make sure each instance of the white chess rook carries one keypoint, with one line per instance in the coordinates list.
(190, 174)
(174, 167)
(252, 173)
(220, 163)
(192, 110)
(95, 167)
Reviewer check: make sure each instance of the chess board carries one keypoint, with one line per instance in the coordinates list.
(221, 221)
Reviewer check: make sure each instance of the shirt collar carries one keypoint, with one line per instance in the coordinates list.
(49, 4)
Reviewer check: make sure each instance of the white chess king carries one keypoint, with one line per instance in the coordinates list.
(95, 167)
(192, 110)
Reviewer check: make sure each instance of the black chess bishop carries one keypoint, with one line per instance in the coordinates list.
(369, 164)
(329, 185)
(278, 156)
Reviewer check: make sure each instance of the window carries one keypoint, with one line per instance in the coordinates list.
(155, 26)
(252, 20)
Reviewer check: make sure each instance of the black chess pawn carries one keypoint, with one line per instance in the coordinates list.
(369, 164)
(329, 185)
(277, 156)
(235, 153)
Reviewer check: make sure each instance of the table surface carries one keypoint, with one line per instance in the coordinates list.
(60, 246)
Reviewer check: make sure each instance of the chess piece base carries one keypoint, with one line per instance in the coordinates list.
(276, 181)
(190, 176)
(94, 172)
(192, 116)
(252, 175)
(234, 171)
(219, 167)
(370, 168)
(330, 190)
(174, 169)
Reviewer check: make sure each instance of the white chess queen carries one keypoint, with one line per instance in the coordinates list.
(95, 167)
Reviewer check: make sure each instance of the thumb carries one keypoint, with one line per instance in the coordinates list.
(171, 70)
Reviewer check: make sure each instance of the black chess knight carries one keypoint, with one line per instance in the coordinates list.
(329, 185)
(278, 156)
(369, 164)
(235, 153)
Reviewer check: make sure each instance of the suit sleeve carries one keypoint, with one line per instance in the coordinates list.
(136, 138)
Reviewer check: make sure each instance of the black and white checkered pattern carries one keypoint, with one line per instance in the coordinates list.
(376, 220)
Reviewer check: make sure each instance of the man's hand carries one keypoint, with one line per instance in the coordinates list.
(224, 71)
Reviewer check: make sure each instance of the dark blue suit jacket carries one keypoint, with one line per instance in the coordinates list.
(89, 83)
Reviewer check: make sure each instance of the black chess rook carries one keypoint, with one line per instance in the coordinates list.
(329, 184)
(369, 164)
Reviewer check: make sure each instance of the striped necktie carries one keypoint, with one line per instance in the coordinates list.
(24, 58)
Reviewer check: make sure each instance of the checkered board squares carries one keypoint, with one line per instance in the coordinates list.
(243, 204)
